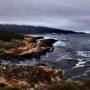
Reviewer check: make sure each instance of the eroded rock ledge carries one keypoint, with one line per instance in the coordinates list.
(29, 46)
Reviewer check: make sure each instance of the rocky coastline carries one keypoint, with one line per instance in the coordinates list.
(33, 77)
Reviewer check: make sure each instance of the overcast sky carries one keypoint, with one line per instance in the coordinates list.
(64, 14)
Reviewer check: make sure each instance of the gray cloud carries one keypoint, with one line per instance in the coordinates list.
(65, 14)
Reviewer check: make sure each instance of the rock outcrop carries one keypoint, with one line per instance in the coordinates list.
(47, 42)
(29, 75)
(30, 46)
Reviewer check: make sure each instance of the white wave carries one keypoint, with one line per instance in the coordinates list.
(59, 43)
(47, 37)
(85, 54)
(81, 53)
(80, 63)
(50, 37)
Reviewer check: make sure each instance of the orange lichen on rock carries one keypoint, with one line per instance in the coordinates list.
(29, 45)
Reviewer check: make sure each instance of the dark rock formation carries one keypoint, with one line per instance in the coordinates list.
(47, 42)
(38, 37)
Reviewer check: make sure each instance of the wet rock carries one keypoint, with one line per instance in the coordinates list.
(41, 64)
(38, 37)
(47, 42)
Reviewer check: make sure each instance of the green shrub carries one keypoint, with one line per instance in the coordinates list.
(9, 45)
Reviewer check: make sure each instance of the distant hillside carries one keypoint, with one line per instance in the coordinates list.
(21, 29)
(8, 36)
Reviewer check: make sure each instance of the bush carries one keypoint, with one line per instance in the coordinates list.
(65, 85)
(9, 45)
